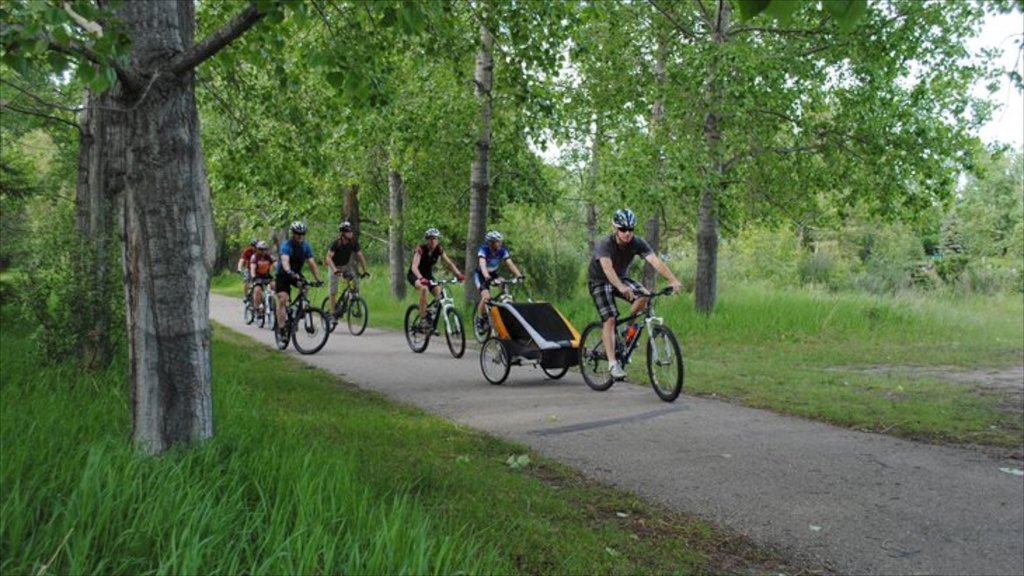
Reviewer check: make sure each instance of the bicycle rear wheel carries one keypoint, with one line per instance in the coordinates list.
(284, 336)
(310, 331)
(665, 363)
(455, 332)
(417, 336)
(593, 360)
(357, 315)
(480, 332)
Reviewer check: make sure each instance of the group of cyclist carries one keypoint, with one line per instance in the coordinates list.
(606, 274)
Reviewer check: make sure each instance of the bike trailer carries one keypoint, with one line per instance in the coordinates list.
(536, 332)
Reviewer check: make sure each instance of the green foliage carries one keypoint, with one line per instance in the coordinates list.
(553, 263)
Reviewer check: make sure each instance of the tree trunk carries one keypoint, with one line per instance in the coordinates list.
(100, 173)
(705, 290)
(168, 235)
(351, 211)
(396, 234)
(592, 185)
(653, 232)
(479, 184)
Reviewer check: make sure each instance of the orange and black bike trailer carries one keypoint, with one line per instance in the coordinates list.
(528, 334)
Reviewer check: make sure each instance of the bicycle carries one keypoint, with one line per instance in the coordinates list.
(664, 354)
(418, 330)
(248, 309)
(482, 328)
(305, 326)
(268, 305)
(350, 305)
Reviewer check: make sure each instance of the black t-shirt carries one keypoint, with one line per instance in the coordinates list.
(343, 252)
(621, 256)
(428, 259)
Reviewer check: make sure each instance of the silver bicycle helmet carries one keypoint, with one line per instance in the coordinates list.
(624, 218)
(345, 226)
(493, 236)
(261, 245)
(432, 233)
(298, 227)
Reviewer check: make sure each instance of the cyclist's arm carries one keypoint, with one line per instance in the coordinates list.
(252, 267)
(662, 269)
(362, 261)
(330, 261)
(482, 264)
(613, 277)
(416, 265)
(241, 262)
(286, 263)
(512, 267)
(451, 265)
(312, 266)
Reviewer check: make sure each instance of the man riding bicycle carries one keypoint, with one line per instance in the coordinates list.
(489, 258)
(260, 265)
(294, 253)
(243, 264)
(339, 259)
(421, 272)
(606, 279)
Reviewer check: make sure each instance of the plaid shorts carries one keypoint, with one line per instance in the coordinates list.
(604, 296)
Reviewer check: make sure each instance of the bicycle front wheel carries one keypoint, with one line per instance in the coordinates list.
(481, 330)
(332, 322)
(415, 334)
(270, 311)
(665, 363)
(310, 331)
(593, 360)
(494, 361)
(249, 314)
(358, 314)
(454, 332)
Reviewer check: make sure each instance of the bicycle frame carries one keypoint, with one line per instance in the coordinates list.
(650, 320)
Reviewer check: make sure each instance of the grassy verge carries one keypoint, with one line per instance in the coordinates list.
(306, 475)
(853, 360)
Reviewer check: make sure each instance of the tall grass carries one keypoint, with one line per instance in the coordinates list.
(263, 497)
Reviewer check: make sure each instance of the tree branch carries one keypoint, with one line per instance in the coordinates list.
(42, 115)
(684, 30)
(785, 31)
(40, 99)
(213, 43)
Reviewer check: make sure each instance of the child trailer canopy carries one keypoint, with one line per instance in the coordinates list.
(533, 333)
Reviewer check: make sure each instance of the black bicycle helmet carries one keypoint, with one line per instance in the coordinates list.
(624, 218)
(345, 226)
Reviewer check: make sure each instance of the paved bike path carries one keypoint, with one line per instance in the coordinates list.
(860, 503)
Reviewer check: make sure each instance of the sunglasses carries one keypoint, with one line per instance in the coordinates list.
(625, 229)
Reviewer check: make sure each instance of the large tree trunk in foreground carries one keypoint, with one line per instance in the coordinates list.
(479, 183)
(101, 158)
(396, 234)
(706, 287)
(168, 235)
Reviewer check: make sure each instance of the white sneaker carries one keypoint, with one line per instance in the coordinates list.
(616, 371)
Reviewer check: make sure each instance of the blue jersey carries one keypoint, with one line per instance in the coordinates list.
(494, 258)
(297, 255)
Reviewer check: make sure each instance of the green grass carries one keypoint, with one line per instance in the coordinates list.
(305, 475)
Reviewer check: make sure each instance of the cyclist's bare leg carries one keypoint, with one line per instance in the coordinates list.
(282, 307)
(423, 301)
(608, 338)
(257, 297)
(485, 297)
(638, 305)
